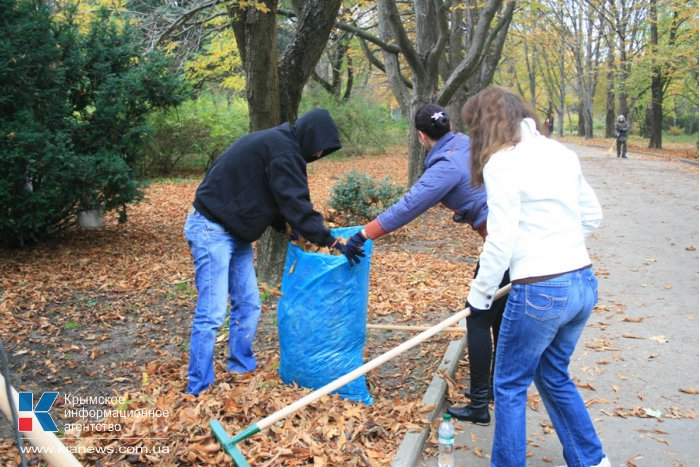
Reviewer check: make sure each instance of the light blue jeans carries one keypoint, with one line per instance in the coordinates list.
(223, 270)
(541, 325)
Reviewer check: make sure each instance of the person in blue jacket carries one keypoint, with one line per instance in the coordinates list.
(259, 182)
(447, 180)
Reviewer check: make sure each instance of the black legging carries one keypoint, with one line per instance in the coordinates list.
(479, 343)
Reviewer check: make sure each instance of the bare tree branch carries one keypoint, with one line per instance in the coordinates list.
(393, 19)
(359, 32)
(183, 19)
(378, 63)
(474, 56)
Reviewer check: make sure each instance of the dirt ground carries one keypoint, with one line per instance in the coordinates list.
(637, 362)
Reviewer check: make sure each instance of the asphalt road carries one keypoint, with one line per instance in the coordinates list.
(639, 352)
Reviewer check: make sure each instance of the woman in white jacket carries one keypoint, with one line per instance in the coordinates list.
(540, 211)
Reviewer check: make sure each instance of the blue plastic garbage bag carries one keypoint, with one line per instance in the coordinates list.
(322, 318)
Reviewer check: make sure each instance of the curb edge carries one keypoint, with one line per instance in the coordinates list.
(410, 451)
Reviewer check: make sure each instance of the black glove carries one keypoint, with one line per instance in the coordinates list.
(475, 311)
(356, 242)
(293, 235)
(352, 249)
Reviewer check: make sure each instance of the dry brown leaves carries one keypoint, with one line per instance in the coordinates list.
(670, 150)
(108, 312)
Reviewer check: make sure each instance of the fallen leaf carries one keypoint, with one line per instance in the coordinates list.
(590, 402)
(689, 390)
(638, 319)
(659, 339)
(425, 408)
(690, 248)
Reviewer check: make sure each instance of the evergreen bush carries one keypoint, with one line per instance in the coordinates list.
(72, 109)
(360, 198)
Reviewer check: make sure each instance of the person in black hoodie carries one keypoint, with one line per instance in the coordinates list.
(260, 181)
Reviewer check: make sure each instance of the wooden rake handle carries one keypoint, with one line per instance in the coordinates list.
(412, 328)
(372, 364)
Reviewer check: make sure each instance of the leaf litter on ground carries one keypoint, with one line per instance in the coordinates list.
(108, 312)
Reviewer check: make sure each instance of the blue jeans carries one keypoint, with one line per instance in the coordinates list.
(541, 325)
(223, 270)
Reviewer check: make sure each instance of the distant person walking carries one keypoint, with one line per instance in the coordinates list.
(549, 124)
(622, 127)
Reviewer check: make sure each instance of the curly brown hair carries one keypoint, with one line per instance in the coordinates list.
(493, 117)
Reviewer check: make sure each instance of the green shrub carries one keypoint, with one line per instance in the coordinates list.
(360, 198)
(171, 138)
(364, 126)
(675, 131)
(193, 135)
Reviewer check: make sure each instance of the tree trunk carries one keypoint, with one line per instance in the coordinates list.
(315, 21)
(561, 102)
(255, 36)
(656, 115)
(531, 74)
(274, 85)
(622, 79)
(416, 151)
(657, 94)
(610, 97)
(350, 79)
(454, 109)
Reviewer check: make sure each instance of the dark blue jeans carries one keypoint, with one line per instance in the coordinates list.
(541, 325)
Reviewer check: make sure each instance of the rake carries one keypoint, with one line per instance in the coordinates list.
(612, 146)
(229, 443)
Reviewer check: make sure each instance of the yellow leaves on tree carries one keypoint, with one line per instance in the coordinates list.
(219, 61)
(85, 12)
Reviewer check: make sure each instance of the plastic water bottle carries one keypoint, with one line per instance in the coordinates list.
(446, 440)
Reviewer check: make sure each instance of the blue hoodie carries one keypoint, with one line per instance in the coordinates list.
(446, 180)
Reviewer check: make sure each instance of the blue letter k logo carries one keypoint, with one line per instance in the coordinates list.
(41, 411)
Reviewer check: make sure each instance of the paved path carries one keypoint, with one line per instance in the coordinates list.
(641, 345)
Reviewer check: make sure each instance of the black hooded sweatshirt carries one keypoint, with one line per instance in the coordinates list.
(261, 180)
